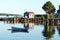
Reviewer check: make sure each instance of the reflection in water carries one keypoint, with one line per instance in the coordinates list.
(14, 30)
(11, 22)
(29, 25)
(48, 31)
(25, 29)
(58, 28)
(26, 25)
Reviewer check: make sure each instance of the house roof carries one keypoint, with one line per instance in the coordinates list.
(29, 12)
(37, 15)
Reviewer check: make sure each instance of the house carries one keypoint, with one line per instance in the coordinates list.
(29, 15)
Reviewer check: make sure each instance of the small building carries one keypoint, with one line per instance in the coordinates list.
(29, 15)
(57, 16)
(40, 18)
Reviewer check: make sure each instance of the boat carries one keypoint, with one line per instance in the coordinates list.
(15, 29)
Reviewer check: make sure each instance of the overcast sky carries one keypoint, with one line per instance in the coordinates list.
(21, 6)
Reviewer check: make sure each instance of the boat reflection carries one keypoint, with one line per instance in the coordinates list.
(48, 31)
(14, 30)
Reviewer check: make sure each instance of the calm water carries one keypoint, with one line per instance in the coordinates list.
(29, 31)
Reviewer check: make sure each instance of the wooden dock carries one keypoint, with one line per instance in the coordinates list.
(41, 20)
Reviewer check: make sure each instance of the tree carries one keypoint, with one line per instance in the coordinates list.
(48, 7)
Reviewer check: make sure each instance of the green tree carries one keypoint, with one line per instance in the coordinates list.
(48, 7)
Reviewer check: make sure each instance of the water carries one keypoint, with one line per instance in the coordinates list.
(32, 32)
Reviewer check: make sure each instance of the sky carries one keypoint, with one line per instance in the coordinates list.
(21, 6)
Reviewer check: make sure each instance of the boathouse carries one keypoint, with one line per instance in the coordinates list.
(57, 16)
(29, 17)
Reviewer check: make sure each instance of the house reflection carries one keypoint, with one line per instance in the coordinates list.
(29, 25)
(48, 31)
(14, 30)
